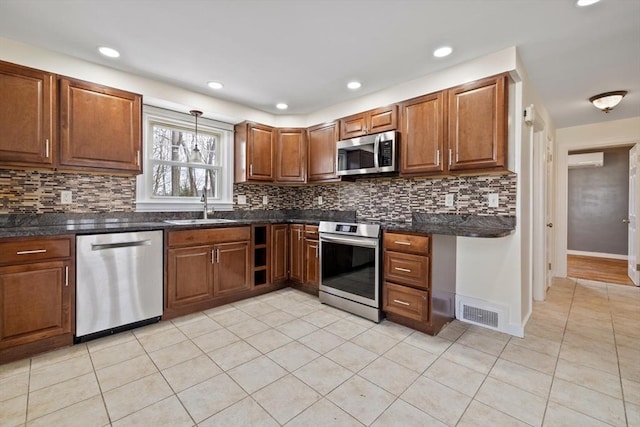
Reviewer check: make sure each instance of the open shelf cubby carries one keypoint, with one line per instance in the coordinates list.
(259, 243)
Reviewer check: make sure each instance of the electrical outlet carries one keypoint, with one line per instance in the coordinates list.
(65, 197)
(265, 200)
(448, 200)
(242, 199)
(492, 199)
(320, 201)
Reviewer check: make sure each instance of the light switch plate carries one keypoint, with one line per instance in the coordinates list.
(265, 200)
(448, 200)
(320, 201)
(492, 199)
(65, 197)
(242, 199)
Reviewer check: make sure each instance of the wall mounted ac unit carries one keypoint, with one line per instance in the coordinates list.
(586, 160)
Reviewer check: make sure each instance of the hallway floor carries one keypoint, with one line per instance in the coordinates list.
(599, 269)
(286, 359)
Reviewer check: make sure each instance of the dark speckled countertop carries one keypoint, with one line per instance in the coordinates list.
(57, 224)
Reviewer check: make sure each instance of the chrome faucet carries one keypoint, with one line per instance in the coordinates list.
(203, 199)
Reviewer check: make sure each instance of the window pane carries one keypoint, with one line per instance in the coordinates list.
(183, 181)
(178, 144)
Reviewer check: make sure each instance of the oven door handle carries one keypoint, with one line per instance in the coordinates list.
(369, 243)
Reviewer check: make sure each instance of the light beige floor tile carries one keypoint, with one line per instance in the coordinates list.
(375, 341)
(540, 344)
(545, 330)
(451, 332)
(234, 355)
(268, 340)
(525, 378)
(136, 395)
(323, 413)
(241, 414)
(202, 326)
(351, 356)
(389, 375)
(189, 318)
(111, 340)
(277, 318)
(215, 340)
(434, 345)
(529, 358)
(87, 413)
(482, 342)
(125, 372)
(212, 312)
(322, 341)
(190, 373)
(293, 355)
(558, 415)
(174, 354)
(633, 414)
(631, 391)
(588, 377)
(335, 311)
(361, 321)
(167, 412)
(320, 318)
(469, 357)
(61, 395)
(480, 415)
(57, 356)
(248, 328)
(520, 404)
(15, 368)
(323, 375)
(14, 386)
(117, 353)
(401, 414)
(589, 402)
(411, 357)
(254, 375)
(229, 316)
(345, 329)
(286, 398)
(258, 309)
(590, 357)
(394, 330)
(362, 399)
(297, 328)
(630, 369)
(457, 377)
(162, 326)
(162, 339)
(437, 400)
(211, 396)
(300, 309)
(13, 412)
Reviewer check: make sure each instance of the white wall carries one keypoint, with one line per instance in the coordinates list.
(599, 135)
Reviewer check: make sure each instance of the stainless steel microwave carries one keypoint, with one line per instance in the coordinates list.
(367, 154)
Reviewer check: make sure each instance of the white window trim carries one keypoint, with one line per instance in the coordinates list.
(145, 202)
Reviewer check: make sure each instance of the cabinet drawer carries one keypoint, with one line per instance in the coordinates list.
(406, 302)
(407, 269)
(27, 250)
(406, 243)
(311, 232)
(208, 235)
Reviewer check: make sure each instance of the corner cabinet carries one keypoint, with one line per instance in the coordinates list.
(381, 119)
(279, 253)
(291, 155)
(100, 128)
(321, 152)
(254, 152)
(296, 252)
(37, 295)
(304, 262)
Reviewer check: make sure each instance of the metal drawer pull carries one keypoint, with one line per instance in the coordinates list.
(34, 251)
(401, 302)
(398, 242)
(66, 275)
(406, 270)
(102, 246)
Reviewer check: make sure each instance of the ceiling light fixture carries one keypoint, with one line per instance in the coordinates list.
(281, 106)
(215, 85)
(110, 52)
(583, 3)
(196, 155)
(606, 101)
(443, 51)
(354, 85)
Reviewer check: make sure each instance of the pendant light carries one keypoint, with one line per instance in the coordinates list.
(196, 155)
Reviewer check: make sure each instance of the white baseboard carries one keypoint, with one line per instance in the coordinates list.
(598, 255)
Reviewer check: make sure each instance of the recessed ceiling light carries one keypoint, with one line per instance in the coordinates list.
(443, 51)
(215, 85)
(281, 106)
(586, 2)
(354, 85)
(107, 51)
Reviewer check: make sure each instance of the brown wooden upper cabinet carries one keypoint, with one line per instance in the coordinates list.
(100, 127)
(254, 145)
(373, 121)
(291, 155)
(27, 116)
(321, 152)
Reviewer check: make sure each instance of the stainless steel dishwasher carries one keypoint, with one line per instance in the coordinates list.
(118, 282)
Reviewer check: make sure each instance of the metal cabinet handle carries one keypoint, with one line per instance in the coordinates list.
(66, 276)
(398, 242)
(251, 169)
(450, 155)
(218, 255)
(406, 270)
(401, 302)
(34, 251)
(46, 147)
(437, 157)
(138, 158)
(213, 256)
(317, 251)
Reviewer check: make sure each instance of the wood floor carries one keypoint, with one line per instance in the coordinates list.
(600, 269)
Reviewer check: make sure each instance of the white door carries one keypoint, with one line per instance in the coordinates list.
(549, 194)
(634, 214)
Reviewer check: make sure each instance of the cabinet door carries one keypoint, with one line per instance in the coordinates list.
(353, 126)
(35, 302)
(311, 262)
(296, 252)
(260, 152)
(189, 276)
(231, 268)
(279, 246)
(27, 116)
(382, 119)
(422, 142)
(478, 125)
(99, 127)
(322, 152)
(291, 155)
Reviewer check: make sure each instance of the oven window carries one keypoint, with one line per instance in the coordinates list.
(349, 269)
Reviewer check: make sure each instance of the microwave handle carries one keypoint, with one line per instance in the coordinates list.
(376, 153)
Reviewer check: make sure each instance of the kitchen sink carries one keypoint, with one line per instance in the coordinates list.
(198, 221)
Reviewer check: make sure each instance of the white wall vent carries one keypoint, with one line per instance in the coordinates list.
(586, 160)
(481, 313)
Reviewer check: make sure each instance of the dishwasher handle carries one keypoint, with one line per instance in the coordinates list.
(103, 246)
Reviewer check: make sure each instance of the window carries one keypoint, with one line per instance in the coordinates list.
(174, 177)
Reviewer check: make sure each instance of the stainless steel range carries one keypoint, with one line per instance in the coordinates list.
(350, 268)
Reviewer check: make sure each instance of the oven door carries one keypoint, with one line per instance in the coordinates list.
(349, 268)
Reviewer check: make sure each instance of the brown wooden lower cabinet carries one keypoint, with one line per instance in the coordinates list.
(304, 266)
(231, 271)
(279, 252)
(296, 252)
(311, 263)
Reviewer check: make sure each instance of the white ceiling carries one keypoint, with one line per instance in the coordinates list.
(303, 52)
